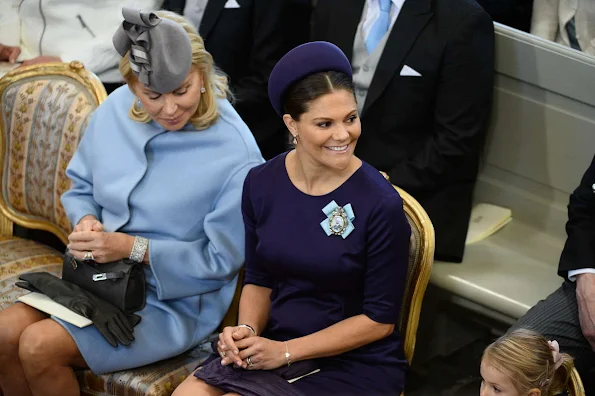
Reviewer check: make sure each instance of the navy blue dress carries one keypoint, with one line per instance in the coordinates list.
(318, 280)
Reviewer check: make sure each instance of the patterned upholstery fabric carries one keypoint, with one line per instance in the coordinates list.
(18, 256)
(45, 118)
(414, 251)
(159, 379)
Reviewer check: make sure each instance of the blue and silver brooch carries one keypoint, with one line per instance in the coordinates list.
(339, 219)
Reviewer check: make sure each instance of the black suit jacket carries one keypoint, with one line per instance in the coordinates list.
(425, 132)
(579, 250)
(246, 43)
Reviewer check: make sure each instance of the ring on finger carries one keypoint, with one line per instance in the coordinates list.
(222, 354)
(89, 256)
(250, 364)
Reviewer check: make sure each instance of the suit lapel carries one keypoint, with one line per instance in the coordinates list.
(414, 15)
(214, 8)
(345, 19)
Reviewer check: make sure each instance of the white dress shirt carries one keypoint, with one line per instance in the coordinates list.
(195, 10)
(573, 274)
(372, 12)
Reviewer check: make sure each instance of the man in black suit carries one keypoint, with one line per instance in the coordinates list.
(424, 89)
(246, 39)
(568, 314)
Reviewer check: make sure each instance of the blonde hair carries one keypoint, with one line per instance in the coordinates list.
(525, 356)
(215, 82)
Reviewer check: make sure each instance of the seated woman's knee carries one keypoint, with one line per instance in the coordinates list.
(37, 347)
(13, 321)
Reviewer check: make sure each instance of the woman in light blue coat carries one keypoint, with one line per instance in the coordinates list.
(158, 178)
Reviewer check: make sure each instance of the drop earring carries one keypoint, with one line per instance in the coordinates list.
(138, 103)
(203, 89)
(295, 140)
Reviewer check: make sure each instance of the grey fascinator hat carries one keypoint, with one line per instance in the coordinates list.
(160, 50)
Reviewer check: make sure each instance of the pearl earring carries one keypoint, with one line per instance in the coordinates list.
(295, 140)
(202, 90)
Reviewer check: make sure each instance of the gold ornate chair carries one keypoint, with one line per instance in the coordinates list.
(575, 385)
(44, 112)
(421, 258)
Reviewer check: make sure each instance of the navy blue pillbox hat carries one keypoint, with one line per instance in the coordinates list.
(302, 61)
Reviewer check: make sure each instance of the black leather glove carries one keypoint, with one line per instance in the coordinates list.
(115, 326)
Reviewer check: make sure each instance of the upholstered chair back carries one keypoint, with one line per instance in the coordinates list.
(45, 110)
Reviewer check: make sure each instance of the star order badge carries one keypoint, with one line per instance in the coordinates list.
(339, 220)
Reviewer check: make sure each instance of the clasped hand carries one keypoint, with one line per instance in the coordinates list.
(89, 236)
(237, 344)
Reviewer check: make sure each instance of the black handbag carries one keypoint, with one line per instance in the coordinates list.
(121, 283)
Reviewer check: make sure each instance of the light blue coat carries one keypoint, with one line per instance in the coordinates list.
(181, 190)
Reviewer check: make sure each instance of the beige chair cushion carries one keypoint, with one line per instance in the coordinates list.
(159, 379)
(19, 256)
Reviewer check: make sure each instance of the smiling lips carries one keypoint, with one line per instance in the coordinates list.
(338, 149)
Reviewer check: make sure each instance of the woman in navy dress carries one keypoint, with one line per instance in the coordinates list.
(327, 246)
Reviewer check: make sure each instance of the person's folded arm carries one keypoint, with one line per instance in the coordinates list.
(578, 257)
(463, 101)
(186, 268)
(579, 250)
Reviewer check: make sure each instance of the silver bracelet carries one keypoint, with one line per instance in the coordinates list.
(139, 248)
(248, 327)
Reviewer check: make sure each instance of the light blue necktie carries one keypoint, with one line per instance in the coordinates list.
(380, 27)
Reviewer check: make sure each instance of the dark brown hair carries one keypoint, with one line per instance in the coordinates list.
(298, 97)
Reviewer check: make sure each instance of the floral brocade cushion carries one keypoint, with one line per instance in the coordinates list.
(44, 119)
(158, 379)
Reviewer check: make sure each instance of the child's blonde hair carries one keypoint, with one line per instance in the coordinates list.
(527, 358)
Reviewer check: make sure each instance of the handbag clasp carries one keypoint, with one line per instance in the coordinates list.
(100, 277)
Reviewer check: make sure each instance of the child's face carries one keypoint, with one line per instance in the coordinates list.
(495, 382)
